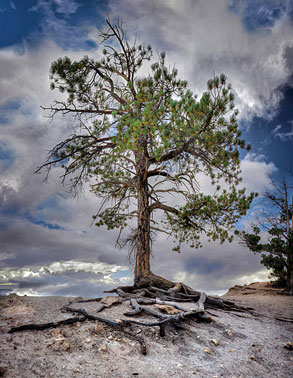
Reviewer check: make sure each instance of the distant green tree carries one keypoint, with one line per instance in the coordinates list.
(143, 138)
(278, 222)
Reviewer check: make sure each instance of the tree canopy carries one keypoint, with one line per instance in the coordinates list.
(142, 141)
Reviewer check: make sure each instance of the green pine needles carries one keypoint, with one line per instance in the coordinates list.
(142, 141)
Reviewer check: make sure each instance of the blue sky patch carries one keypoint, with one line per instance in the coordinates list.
(260, 134)
(258, 14)
(42, 223)
(17, 21)
(6, 156)
(63, 22)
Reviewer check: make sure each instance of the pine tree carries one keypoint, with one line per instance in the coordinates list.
(139, 138)
(277, 221)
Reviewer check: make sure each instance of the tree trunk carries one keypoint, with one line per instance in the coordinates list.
(142, 263)
(290, 273)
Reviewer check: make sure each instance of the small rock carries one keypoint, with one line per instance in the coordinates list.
(99, 329)
(228, 332)
(138, 331)
(110, 337)
(253, 344)
(88, 340)
(9, 339)
(252, 357)
(59, 338)
(76, 370)
(103, 349)
(78, 324)
(56, 332)
(62, 345)
(208, 351)
(110, 300)
(170, 310)
(59, 343)
(179, 365)
(289, 345)
(214, 341)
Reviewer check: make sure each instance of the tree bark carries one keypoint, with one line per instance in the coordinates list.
(143, 252)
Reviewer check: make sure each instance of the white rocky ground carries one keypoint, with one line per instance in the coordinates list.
(232, 346)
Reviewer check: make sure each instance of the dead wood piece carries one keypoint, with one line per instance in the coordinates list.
(137, 309)
(166, 319)
(175, 289)
(140, 292)
(179, 296)
(179, 292)
(91, 317)
(39, 327)
(146, 301)
(200, 302)
(122, 293)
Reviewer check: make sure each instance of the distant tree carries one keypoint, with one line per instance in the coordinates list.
(277, 220)
(141, 140)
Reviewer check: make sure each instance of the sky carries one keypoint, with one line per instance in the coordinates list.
(48, 245)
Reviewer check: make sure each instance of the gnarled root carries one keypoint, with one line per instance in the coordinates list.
(181, 301)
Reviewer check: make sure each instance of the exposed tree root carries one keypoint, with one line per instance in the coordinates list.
(139, 297)
(40, 327)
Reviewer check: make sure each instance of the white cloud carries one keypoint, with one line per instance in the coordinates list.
(283, 135)
(256, 173)
(64, 278)
(199, 38)
(202, 37)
